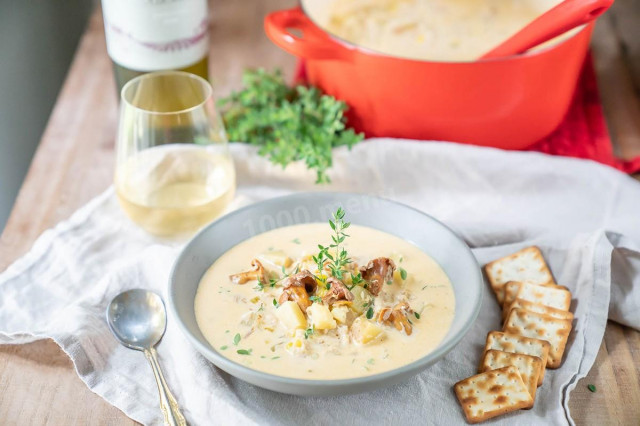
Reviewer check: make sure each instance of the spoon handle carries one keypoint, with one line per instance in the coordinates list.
(565, 16)
(168, 404)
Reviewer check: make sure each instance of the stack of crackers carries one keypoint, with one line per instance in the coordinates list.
(536, 326)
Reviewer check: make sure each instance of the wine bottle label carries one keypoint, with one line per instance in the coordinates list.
(153, 35)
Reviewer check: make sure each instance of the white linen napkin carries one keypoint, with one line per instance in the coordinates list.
(583, 215)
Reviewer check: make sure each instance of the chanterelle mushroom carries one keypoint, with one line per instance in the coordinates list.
(337, 291)
(256, 273)
(297, 287)
(304, 279)
(377, 272)
(296, 294)
(398, 317)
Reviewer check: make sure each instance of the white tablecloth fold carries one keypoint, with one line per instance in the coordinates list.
(584, 216)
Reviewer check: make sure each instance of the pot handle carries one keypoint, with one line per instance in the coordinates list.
(314, 43)
(558, 20)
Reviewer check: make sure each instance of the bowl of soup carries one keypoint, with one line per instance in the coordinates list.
(325, 293)
(411, 68)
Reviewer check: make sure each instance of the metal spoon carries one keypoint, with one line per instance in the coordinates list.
(138, 319)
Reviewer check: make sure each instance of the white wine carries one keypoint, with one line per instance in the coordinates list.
(175, 189)
(156, 35)
(174, 172)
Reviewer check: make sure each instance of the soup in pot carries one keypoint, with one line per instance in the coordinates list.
(436, 30)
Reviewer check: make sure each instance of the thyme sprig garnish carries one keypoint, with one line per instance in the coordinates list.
(334, 256)
(356, 280)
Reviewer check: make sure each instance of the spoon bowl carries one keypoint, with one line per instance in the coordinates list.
(137, 318)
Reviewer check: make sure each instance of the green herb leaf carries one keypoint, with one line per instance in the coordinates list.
(370, 312)
(275, 303)
(244, 351)
(336, 263)
(356, 280)
(309, 331)
(370, 361)
(296, 241)
(222, 348)
(236, 339)
(275, 357)
(316, 299)
(287, 123)
(592, 388)
(403, 273)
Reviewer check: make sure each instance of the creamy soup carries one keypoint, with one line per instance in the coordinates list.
(440, 30)
(265, 304)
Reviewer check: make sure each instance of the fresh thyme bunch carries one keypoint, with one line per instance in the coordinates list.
(287, 123)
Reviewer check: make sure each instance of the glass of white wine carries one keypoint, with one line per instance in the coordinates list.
(174, 172)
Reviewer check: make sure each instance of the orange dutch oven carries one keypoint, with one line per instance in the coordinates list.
(509, 102)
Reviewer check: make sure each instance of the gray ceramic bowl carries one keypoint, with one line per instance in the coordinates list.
(405, 222)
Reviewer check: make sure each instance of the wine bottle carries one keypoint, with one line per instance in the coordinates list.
(156, 35)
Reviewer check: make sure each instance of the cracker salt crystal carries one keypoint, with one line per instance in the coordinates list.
(528, 366)
(519, 344)
(492, 393)
(554, 297)
(540, 326)
(527, 264)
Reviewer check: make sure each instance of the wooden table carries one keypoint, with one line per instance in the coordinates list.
(74, 163)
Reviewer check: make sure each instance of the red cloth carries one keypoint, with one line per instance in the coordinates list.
(582, 134)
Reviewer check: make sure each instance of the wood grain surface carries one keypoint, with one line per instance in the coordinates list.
(74, 162)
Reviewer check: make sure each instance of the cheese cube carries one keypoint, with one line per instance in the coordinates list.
(291, 316)
(321, 317)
